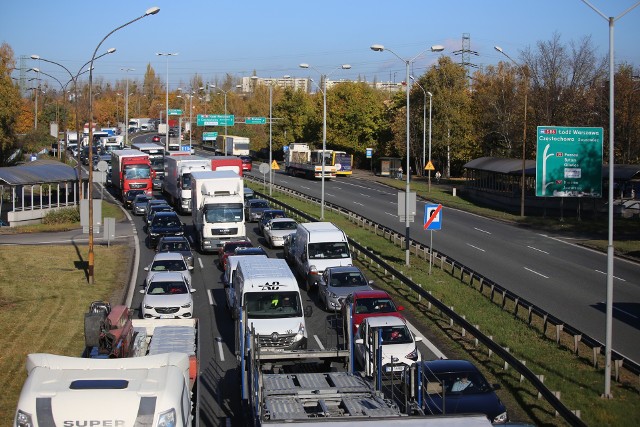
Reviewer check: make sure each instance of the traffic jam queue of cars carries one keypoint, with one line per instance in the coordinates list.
(316, 257)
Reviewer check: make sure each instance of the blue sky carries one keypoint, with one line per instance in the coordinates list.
(271, 38)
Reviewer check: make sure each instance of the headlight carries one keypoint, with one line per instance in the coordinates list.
(332, 295)
(167, 419)
(23, 419)
(153, 234)
(300, 334)
(179, 233)
(186, 305)
(148, 307)
(502, 418)
(313, 269)
(413, 355)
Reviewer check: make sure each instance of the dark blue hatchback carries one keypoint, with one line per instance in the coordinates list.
(164, 224)
(458, 387)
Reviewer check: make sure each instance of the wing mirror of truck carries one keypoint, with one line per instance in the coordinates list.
(308, 311)
(359, 341)
(190, 267)
(146, 269)
(141, 291)
(192, 290)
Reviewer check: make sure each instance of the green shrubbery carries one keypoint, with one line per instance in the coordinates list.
(62, 216)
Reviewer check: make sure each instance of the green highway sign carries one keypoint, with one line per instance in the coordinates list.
(255, 120)
(569, 162)
(209, 136)
(175, 112)
(215, 120)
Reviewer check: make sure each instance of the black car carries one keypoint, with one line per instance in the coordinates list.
(253, 209)
(131, 195)
(269, 214)
(154, 209)
(164, 224)
(250, 251)
(179, 244)
(458, 387)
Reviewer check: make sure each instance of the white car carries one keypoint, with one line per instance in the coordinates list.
(168, 261)
(399, 349)
(277, 229)
(167, 296)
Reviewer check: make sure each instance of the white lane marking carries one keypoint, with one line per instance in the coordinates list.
(622, 311)
(200, 262)
(306, 188)
(615, 277)
(359, 204)
(481, 230)
(426, 342)
(539, 250)
(210, 295)
(220, 350)
(319, 342)
(475, 247)
(392, 214)
(535, 272)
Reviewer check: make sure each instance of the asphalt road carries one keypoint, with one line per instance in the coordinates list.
(564, 279)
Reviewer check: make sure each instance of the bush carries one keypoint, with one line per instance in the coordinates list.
(62, 216)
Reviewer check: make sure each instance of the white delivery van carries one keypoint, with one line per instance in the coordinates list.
(319, 245)
(227, 280)
(268, 293)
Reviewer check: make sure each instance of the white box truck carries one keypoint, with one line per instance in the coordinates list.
(319, 245)
(266, 292)
(177, 179)
(233, 145)
(217, 208)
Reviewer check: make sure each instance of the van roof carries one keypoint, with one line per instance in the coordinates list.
(319, 226)
(256, 270)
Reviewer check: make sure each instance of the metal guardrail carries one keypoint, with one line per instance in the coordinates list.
(537, 381)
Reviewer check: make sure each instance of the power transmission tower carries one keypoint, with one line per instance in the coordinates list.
(466, 52)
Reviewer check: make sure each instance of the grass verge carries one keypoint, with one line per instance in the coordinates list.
(579, 384)
(43, 297)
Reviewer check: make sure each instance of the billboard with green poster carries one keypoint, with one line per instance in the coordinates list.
(569, 162)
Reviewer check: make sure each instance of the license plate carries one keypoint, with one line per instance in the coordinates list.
(166, 316)
(395, 368)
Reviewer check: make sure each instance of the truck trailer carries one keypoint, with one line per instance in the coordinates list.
(299, 161)
(227, 163)
(131, 170)
(217, 208)
(233, 145)
(177, 182)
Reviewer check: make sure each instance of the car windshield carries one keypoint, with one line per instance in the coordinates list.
(168, 265)
(396, 335)
(374, 305)
(173, 247)
(166, 220)
(259, 204)
(167, 288)
(141, 199)
(461, 382)
(284, 225)
(266, 305)
(328, 250)
(348, 279)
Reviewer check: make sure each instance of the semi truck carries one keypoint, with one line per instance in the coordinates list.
(177, 181)
(217, 208)
(233, 145)
(131, 170)
(145, 368)
(156, 157)
(140, 124)
(298, 161)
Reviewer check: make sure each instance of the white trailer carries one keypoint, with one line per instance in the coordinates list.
(233, 145)
(217, 208)
(177, 180)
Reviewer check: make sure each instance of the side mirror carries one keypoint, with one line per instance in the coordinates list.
(141, 291)
(400, 308)
(417, 339)
(192, 290)
(146, 269)
(359, 341)
(308, 311)
(190, 267)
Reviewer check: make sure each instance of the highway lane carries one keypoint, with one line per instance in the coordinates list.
(566, 280)
(220, 385)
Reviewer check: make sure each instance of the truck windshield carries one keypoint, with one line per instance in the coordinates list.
(328, 250)
(272, 304)
(224, 212)
(186, 181)
(157, 164)
(137, 172)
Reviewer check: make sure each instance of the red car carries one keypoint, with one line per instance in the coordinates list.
(155, 138)
(228, 249)
(370, 304)
(247, 164)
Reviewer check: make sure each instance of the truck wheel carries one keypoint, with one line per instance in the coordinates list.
(92, 323)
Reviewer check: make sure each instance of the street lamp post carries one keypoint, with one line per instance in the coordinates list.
(126, 107)
(524, 130)
(166, 143)
(407, 62)
(424, 125)
(151, 11)
(270, 133)
(75, 101)
(324, 78)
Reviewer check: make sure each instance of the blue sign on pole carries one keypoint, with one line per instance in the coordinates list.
(369, 153)
(185, 148)
(432, 217)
